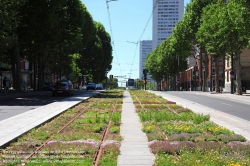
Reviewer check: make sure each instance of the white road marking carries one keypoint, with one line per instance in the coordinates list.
(226, 104)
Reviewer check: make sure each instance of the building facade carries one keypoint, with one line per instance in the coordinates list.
(245, 74)
(202, 68)
(145, 49)
(165, 16)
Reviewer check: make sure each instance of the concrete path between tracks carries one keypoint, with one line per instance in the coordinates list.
(134, 148)
(15, 126)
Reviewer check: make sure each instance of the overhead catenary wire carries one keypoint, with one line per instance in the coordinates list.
(143, 32)
(111, 32)
(112, 37)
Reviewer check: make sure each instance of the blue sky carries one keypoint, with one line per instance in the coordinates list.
(128, 20)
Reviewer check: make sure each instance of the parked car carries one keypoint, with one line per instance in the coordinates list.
(98, 86)
(91, 86)
(84, 87)
(63, 87)
(48, 86)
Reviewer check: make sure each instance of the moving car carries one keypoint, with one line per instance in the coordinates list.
(91, 86)
(63, 87)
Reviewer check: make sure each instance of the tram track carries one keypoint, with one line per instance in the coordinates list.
(159, 131)
(99, 152)
(66, 125)
(25, 158)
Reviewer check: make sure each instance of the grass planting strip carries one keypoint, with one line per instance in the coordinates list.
(66, 125)
(100, 149)
(164, 137)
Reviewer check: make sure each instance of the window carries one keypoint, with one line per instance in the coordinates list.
(26, 65)
(213, 72)
(220, 60)
(228, 62)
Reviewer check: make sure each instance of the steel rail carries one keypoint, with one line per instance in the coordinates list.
(59, 131)
(98, 152)
(164, 137)
(100, 148)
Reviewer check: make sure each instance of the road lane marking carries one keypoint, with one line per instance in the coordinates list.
(226, 104)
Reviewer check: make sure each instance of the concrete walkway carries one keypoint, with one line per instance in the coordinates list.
(134, 150)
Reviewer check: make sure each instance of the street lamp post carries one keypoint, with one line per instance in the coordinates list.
(232, 76)
(106, 79)
(178, 76)
(211, 75)
(76, 73)
(107, 1)
(195, 76)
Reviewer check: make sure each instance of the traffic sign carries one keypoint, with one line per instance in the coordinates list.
(232, 73)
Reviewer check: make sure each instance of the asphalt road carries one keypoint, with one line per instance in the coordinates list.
(231, 106)
(17, 105)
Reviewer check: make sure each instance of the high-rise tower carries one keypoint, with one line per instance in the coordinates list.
(145, 49)
(166, 14)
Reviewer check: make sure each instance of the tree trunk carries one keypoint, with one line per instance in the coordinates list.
(35, 72)
(205, 73)
(238, 74)
(217, 85)
(31, 78)
(39, 65)
(201, 73)
(174, 83)
(40, 72)
(17, 67)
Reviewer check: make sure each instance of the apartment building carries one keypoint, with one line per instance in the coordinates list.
(145, 49)
(245, 74)
(166, 14)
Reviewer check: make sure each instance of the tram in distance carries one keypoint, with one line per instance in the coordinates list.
(131, 83)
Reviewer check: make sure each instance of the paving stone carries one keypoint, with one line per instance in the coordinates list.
(134, 150)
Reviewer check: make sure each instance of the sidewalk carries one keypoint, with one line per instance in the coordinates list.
(15, 126)
(245, 97)
(13, 94)
(134, 148)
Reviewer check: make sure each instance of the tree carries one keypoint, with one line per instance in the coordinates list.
(9, 47)
(9, 19)
(49, 34)
(55, 28)
(97, 57)
(152, 65)
(165, 60)
(237, 32)
(211, 35)
(193, 20)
